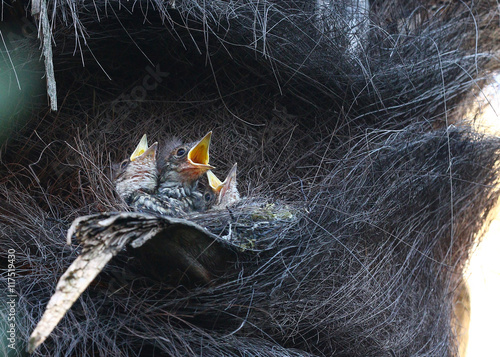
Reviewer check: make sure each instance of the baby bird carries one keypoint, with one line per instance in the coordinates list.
(138, 175)
(222, 194)
(180, 169)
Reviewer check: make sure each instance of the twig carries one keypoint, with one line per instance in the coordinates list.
(39, 9)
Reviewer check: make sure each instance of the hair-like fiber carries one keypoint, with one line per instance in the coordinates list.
(347, 111)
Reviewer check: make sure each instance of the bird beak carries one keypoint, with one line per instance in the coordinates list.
(150, 151)
(213, 181)
(228, 182)
(141, 148)
(198, 156)
(222, 187)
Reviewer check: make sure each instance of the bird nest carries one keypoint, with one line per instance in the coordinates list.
(364, 188)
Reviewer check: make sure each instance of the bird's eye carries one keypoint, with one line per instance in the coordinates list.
(124, 164)
(180, 152)
(208, 196)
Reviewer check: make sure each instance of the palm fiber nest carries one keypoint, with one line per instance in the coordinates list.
(352, 111)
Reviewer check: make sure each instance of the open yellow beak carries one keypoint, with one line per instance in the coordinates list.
(229, 182)
(140, 149)
(222, 187)
(150, 151)
(199, 156)
(213, 181)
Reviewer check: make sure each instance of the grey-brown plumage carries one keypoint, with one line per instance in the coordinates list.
(180, 167)
(137, 177)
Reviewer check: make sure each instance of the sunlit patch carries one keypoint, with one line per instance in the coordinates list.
(483, 273)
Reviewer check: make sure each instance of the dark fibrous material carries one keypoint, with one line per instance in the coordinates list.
(343, 116)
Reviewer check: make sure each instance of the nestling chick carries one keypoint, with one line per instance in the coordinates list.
(180, 169)
(222, 194)
(137, 175)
